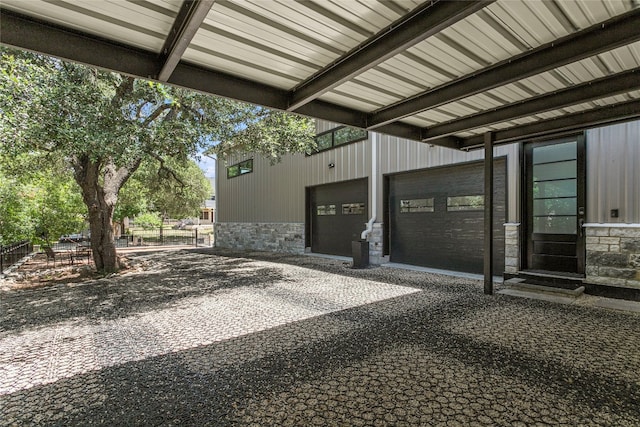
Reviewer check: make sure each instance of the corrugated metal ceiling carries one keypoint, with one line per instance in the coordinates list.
(281, 47)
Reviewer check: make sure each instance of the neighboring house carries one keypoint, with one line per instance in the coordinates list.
(569, 205)
(208, 211)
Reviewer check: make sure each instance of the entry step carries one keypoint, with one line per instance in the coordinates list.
(616, 304)
(550, 279)
(520, 287)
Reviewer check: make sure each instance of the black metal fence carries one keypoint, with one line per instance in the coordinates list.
(153, 237)
(164, 238)
(11, 254)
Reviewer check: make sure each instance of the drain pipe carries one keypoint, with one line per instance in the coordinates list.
(374, 186)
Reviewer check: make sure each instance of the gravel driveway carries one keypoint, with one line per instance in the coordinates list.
(213, 337)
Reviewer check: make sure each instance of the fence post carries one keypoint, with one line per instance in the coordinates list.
(1, 259)
(196, 237)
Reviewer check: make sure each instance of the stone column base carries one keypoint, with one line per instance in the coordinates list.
(511, 247)
(613, 254)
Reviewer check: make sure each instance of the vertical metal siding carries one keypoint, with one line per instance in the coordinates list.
(271, 193)
(276, 193)
(613, 173)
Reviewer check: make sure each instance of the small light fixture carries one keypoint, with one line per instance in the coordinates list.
(332, 165)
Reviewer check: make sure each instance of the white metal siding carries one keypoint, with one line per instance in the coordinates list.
(613, 173)
(268, 194)
(275, 193)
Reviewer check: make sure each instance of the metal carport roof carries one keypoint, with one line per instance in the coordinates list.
(445, 72)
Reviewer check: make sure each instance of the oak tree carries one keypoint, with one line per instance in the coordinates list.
(103, 125)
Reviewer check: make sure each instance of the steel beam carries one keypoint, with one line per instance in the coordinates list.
(416, 26)
(621, 112)
(228, 86)
(407, 131)
(488, 213)
(190, 17)
(30, 34)
(626, 81)
(615, 32)
(27, 33)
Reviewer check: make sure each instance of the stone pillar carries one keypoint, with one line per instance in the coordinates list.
(375, 244)
(511, 247)
(613, 254)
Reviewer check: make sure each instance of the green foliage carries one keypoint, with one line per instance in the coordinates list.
(39, 206)
(15, 211)
(132, 199)
(178, 188)
(175, 188)
(102, 126)
(269, 133)
(53, 108)
(149, 220)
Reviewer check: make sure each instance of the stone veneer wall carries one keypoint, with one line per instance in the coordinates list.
(375, 244)
(274, 237)
(613, 255)
(511, 248)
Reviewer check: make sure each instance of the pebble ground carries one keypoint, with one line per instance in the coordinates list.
(212, 337)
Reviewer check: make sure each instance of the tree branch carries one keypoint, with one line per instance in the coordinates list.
(125, 172)
(155, 114)
(164, 167)
(123, 89)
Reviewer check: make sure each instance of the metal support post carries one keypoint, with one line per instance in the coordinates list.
(488, 213)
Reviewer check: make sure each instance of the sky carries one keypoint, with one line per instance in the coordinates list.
(208, 166)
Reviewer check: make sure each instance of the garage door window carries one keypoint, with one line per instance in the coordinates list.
(323, 210)
(465, 203)
(352, 208)
(416, 205)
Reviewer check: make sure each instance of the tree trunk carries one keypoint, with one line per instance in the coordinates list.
(101, 205)
(100, 194)
(102, 237)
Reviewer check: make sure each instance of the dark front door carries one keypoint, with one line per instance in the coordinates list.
(338, 213)
(556, 205)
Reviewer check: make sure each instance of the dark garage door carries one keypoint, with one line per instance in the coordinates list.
(338, 213)
(436, 217)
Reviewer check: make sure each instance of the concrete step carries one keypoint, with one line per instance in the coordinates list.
(519, 287)
(556, 280)
(616, 304)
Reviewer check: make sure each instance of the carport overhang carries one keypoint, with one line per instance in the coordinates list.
(462, 75)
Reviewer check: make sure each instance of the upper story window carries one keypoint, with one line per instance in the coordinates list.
(240, 168)
(338, 136)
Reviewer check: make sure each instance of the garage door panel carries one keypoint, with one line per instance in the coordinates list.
(338, 214)
(445, 238)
